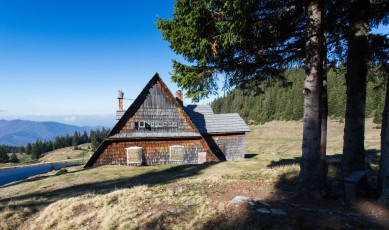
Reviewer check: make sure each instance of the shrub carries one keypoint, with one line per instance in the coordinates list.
(61, 171)
(14, 158)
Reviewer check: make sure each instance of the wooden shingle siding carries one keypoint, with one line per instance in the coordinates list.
(156, 109)
(154, 152)
(233, 145)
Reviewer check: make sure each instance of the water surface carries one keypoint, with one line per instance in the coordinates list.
(17, 174)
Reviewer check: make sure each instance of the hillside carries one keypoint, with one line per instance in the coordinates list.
(22, 132)
(67, 154)
(284, 100)
(195, 196)
(286, 137)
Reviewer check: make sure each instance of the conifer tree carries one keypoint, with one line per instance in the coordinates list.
(384, 160)
(251, 42)
(4, 158)
(312, 180)
(75, 140)
(28, 149)
(353, 157)
(85, 138)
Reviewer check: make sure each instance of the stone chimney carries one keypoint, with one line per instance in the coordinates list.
(120, 98)
(180, 97)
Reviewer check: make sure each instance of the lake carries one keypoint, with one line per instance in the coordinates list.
(17, 174)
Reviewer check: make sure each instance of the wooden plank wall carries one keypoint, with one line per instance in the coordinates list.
(234, 145)
(155, 152)
(159, 109)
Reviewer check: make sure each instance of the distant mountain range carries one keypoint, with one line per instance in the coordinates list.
(22, 132)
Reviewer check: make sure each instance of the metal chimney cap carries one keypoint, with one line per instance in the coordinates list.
(120, 94)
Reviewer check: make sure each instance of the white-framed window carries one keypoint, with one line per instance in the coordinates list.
(134, 155)
(176, 153)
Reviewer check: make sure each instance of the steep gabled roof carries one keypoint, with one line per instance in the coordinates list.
(209, 123)
(130, 112)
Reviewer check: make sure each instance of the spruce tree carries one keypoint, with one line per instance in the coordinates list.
(384, 160)
(85, 138)
(4, 158)
(28, 149)
(312, 182)
(75, 140)
(353, 157)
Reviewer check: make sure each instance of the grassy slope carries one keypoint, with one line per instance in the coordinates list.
(59, 155)
(181, 196)
(67, 153)
(286, 136)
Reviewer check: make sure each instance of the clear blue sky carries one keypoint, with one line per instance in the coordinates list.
(65, 60)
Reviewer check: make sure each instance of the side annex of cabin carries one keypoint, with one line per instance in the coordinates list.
(157, 129)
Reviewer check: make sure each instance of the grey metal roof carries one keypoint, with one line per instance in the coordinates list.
(154, 135)
(209, 123)
(198, 109)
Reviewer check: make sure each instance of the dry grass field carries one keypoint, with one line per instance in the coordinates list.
(67, 153)
(192, 196)
(286, 137)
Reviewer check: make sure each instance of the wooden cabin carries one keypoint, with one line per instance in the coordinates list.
(158, 129)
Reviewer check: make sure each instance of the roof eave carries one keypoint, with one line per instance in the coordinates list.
(224, 133)
(151, 138)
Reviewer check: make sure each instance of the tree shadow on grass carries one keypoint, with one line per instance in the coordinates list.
(372, 157)
(333, 208)
(250, 155)
(334, 175)
(40, 199)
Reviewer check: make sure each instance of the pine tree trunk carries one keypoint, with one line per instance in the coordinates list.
(354, 130)
(324, 108)
(384, 161)
(324, 102)
(311, 178)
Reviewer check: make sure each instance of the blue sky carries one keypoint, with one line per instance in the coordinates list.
(65, 60)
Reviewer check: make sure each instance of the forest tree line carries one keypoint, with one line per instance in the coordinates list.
(284, 101)
(40, 147)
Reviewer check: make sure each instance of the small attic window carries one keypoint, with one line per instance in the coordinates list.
(177, 153)
(142, 124)
(134, 155)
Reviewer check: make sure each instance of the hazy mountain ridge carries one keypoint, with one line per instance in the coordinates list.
(22, 132)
